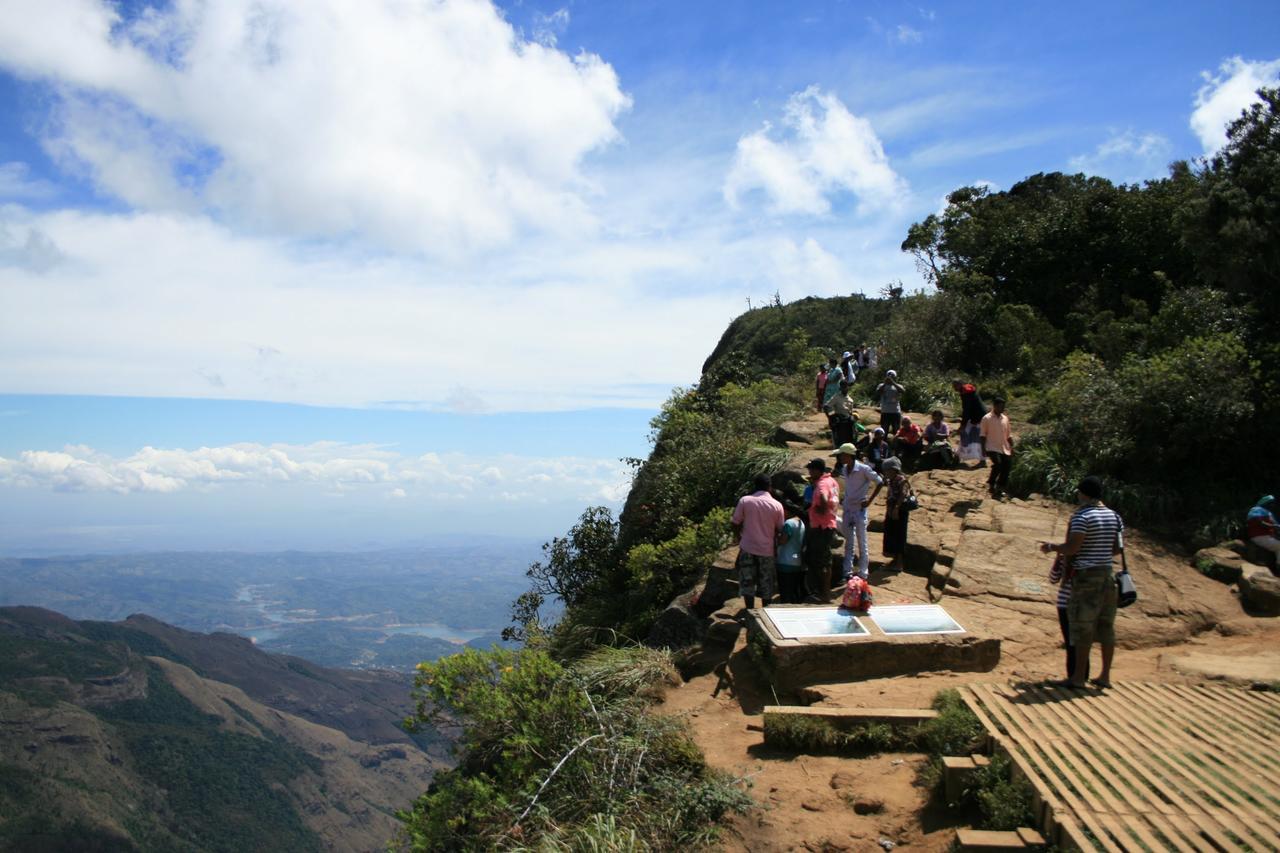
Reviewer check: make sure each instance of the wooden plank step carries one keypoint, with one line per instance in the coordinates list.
(988, 841)
(853, 716)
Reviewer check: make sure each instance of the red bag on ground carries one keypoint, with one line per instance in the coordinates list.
(857, 595)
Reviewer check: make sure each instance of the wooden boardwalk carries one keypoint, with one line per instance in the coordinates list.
(1144, 767)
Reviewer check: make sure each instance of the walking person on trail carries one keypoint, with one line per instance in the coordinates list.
(790, 560)
(834, 377)
(972, 411)
(858, 477)
(889, 393)
(820, 383)
(757, 520)
(997, 446)
(1094, 536)
(821, 532)
(848, 368)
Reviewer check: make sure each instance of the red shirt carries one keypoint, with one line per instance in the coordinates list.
(910, 434)
(825, 488)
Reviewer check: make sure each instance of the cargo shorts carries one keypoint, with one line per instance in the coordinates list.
(756, 576)
(1091, 611)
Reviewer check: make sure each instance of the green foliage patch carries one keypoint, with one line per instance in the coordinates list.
(554, 756)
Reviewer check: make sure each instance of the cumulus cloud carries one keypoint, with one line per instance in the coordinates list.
(1226, 94)
(417, 125)
(327, 467)
(170, 305)
(1126, 157)
(823, 150)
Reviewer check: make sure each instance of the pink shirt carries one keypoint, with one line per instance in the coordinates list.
(761, 518)
(826, 486)
(995, 429)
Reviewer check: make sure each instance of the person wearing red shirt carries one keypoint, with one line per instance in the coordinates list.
(822, 531)
(906, 443)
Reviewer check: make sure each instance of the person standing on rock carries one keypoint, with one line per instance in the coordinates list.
(834, 377)
(848, 368)
(820, 383)
(757, 520)
(821, 533)
(841, 415)
(897, 512)
(858, 477)
(889, 393)
(789, 558)
(1094, 537)
(997, 446)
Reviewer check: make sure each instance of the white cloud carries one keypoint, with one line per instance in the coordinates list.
(906, 35)
(1127, 157)
(171, 305)
(828, 150)
(324, 467)
(26, 247)
(417, 125)
(1226, 94)
(17, 184)
(548, 28)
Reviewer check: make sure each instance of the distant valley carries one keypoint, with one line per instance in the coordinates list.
(364, 610)
(137, 735)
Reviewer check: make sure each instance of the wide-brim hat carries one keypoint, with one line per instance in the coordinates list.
(848, 448)
(893, 463)
(847, 354)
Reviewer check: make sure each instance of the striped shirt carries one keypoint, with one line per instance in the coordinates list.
(1057, 575)
(1102, 528)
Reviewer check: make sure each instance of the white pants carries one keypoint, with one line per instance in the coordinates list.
(1271, 543)
(855, 527)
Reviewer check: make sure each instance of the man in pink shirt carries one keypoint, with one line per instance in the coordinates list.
(997, 445)
(822, 531)
(757, 520)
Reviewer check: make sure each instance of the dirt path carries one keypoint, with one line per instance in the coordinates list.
(1185, 628)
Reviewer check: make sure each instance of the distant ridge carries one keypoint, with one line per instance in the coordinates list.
(136, 735)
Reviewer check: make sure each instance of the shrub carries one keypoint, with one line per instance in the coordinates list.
(807, 734)
(554, 757)
(955, 731)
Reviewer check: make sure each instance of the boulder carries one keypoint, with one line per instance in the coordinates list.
(721, 584)
(679, 626)
(723, 632)
(1221, 564)
(801, 432)
(1260, 592)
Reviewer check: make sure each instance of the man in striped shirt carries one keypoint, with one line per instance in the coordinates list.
(1094, 536)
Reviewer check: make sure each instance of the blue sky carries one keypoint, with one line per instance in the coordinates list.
(340, 274)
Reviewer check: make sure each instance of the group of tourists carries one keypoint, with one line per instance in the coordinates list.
(983, 435)
(786, 544)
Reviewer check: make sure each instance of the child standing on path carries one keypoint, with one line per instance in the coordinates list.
(790, 564)
(1061, 574)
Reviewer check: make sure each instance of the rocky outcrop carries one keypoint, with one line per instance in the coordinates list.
(1220, 563)
(1260, 592)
